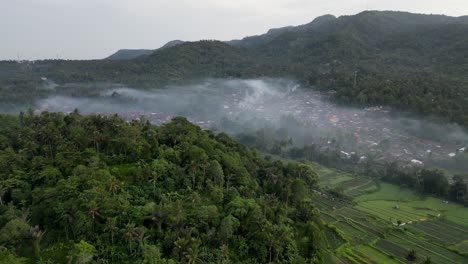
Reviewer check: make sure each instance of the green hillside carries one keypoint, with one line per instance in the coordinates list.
(80, 188)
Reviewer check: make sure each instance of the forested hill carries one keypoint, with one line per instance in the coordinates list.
(408, 61)
(128, 54)
(80, 188)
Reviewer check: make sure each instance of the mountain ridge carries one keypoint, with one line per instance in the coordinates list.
(129, 54)
(402, 21)
(411, 62)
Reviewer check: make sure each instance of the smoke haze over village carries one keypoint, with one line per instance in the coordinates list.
(304, 115)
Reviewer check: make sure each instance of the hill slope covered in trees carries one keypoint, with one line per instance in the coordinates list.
(81, 188)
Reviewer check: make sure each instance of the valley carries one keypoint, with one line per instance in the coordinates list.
(374, 222)
(342, 140)
(307, 116)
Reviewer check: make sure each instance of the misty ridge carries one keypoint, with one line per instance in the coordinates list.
(279, 109)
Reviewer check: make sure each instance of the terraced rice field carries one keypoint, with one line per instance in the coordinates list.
(333, 179)
(328, 218)
(372, 255)
(333, 238)
(352, 185)
(453, 212)
(424, 248)
(328, 203)
(355, 183)
(433, 228)
(353, 233)
(387, 211)
(441, 231)
(391, 248)
(368, 187)
(461, 247)
(388, 192)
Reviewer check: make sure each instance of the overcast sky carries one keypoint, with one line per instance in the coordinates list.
(93, 29)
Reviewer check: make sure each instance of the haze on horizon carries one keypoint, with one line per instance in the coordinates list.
(94, 29)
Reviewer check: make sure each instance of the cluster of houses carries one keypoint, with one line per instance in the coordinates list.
(370, 130)
(351, 131)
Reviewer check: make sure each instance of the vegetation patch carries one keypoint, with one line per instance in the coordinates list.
(81, 189)
(443, 232)
(388, 192)
(374, 255)
(333, 179)
(391, 248)
(462, 247)
(424, 248)
(369, 223)
(334, 238)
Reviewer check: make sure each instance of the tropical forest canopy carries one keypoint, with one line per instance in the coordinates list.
(79, 188)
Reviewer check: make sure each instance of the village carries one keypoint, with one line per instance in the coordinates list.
(367, 131)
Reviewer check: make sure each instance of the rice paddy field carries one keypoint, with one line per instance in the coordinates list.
(382, 223)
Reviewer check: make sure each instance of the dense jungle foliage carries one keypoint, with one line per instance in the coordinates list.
(94, 189)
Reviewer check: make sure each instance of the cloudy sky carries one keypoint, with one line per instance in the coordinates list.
(90, 29)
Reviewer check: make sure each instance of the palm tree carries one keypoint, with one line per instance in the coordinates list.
(268, 201)
(154, 178)
(181, 245)
(130, 233)
(93, 211)
(66, 221)
(133, 233)
(276, 237)
(194, 167)
(224, 254)
(114, 186)
(203, 165)
(158, 216)
(96, 136)
(229, 177)
(3, 190)
(111, 227)
(177, 215)
(36, 234)
(193, 255)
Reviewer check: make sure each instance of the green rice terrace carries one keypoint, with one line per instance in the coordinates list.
(383, 223)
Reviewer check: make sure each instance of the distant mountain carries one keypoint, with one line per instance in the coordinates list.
(275, 32)
(192, 60)
(172, 43)
(129, 54)
(386, 44)
(370, 28)
(411, 62)
(262, 39)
